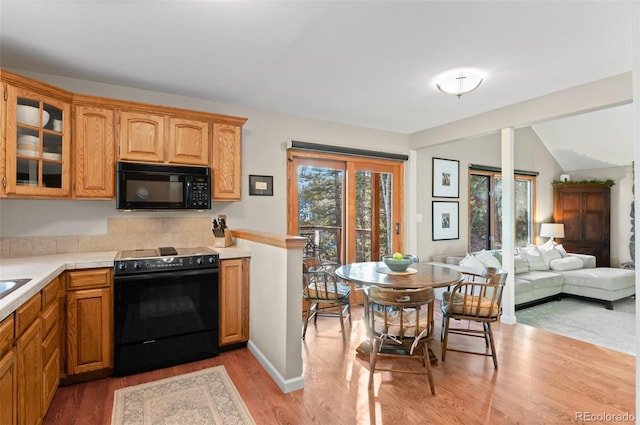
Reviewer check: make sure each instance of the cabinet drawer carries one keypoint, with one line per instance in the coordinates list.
(85, 279)
(49, 318)
(6, 334)
(50, 292)
(50, 345)
(27, 313)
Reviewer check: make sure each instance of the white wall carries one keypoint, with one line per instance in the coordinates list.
(262, 150)
(530, 155)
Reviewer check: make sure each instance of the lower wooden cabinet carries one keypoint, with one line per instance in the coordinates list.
(29, 368)
(50, 368)
(89, 321)
(234, 301)
(8, 389)
(50, 343)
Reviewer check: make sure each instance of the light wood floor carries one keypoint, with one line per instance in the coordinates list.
(543, 379)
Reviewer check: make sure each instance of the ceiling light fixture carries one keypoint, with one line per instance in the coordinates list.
(459, 81)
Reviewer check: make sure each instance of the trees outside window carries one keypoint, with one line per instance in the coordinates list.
(485, 210)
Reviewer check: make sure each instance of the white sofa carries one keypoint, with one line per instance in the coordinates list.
(603, 284)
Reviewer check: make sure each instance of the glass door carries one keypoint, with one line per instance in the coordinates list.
(347, 207)
(37, 151)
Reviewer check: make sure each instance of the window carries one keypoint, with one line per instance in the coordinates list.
(485, 209)
(349, 207)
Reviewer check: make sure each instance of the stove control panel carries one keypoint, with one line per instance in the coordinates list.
(167, 263)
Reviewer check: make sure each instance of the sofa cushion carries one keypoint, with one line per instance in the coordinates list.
(542, 279)
(562, 251)
(601, 277)
(470, 261)
(549, 253)
(533, 257)
(568, 263)
(523, 286)
(588, 261)
(487, 259)
(520, 265)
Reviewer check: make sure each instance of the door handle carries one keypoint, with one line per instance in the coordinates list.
(397, 228)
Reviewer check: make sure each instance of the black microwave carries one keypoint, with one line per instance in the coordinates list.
(162, 187)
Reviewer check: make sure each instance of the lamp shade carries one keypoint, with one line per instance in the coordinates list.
(552, 230)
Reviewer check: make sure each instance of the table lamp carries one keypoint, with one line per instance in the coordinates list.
(552, 230)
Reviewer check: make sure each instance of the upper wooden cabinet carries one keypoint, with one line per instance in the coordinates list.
(149, 137)
(188, 141)
(141, 137)
(36, 135)
(58, 154)
(93, 152)
(227, 162)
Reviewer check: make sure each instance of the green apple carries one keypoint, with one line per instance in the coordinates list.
(397, 256)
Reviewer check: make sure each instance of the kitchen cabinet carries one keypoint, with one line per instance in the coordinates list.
(89, 321)
(188, 141)
(50, 343)
(8, 388)
(37, 139)
(142, 137)
(227, 162)
(29, 362)
(8, 373)
(93, 151)
(234, 301)
(44, 158)
(584, 209)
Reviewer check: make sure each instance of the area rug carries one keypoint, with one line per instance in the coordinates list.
(205, 397)
(587, 321)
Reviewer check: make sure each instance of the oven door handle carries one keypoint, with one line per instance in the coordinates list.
(164, 274)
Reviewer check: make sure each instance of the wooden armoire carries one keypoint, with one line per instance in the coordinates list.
(584, 209)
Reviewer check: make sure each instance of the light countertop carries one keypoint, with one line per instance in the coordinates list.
(44, 268)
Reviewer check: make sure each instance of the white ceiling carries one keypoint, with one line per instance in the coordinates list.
(366, 63)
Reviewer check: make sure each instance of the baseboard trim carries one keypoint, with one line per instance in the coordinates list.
(285, 385)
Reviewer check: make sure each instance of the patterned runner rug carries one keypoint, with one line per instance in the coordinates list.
(587, 321)
(205, 397)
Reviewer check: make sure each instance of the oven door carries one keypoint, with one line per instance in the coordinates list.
(164, 318)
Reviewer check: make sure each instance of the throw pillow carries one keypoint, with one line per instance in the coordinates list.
(562, 251)
(533, 257)
(520, 264)
(567, 263)
(471, 262)
(498, 255)
(549, 252)
(487, 259)
(547, 245)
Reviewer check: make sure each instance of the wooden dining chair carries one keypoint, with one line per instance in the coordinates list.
(477, 299)
(324, 293)
(399, 326)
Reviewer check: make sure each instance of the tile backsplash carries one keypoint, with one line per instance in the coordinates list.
(122, 234)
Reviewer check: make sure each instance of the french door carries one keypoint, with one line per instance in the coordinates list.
(350, 208)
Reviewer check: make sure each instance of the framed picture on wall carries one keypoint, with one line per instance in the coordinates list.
(260, 185)
(445, 220)
(446, 183)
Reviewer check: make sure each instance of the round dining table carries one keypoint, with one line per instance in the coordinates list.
(417, 275)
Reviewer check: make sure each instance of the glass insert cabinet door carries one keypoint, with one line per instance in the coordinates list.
(38, 154)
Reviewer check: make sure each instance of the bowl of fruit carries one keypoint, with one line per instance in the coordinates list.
(397, 262)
